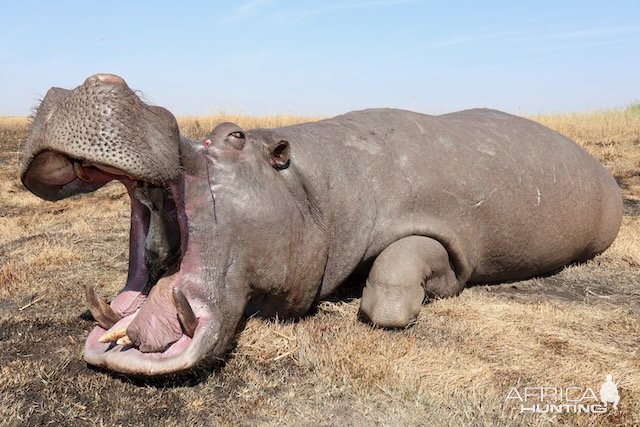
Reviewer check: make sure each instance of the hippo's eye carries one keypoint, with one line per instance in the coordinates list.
(237, 134)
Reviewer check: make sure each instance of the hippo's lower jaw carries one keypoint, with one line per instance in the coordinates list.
(152, 327)
(180, 356)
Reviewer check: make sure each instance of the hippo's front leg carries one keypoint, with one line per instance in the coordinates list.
(402, 275)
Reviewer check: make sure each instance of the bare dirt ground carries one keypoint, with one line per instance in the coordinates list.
(456, 366)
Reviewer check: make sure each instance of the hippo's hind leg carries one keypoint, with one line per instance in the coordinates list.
(402, 275)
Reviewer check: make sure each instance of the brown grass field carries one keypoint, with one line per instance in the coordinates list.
(454, 367)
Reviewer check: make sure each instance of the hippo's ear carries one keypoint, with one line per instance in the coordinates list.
(278, 154)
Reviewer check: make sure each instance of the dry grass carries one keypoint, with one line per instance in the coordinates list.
(611, 136)
(454, 367)
(199, 126)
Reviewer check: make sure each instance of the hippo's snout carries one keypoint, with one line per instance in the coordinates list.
(101, 124)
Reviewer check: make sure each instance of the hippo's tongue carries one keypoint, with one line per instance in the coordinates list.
(156, 325)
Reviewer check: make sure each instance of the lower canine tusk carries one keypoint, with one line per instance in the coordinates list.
(187, 318)
(100, 310)
(81, 173)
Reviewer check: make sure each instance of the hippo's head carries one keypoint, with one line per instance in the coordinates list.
(214, 226)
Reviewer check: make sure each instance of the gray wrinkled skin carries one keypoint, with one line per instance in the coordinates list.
(277, 219)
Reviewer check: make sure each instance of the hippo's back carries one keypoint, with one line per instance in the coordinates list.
(517, 198)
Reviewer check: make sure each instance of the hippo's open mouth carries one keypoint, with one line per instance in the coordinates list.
(101, 131)
(150, 327)
(130, 325)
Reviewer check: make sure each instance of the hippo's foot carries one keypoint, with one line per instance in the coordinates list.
(406, 273)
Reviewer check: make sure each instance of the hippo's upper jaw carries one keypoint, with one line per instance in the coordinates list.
(84, 137)
(101, 131)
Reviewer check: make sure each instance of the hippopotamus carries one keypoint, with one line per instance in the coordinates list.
(270, 221)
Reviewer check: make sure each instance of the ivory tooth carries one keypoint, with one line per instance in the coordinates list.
(100, 310)
(81, 173)
(113, 336)
(186, 316)
(125, 340)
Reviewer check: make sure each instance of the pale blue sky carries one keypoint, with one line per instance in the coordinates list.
(329, 57)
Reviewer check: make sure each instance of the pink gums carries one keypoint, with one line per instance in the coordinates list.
(136, 288)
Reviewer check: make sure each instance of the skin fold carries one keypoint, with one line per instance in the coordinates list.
(273, 220)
